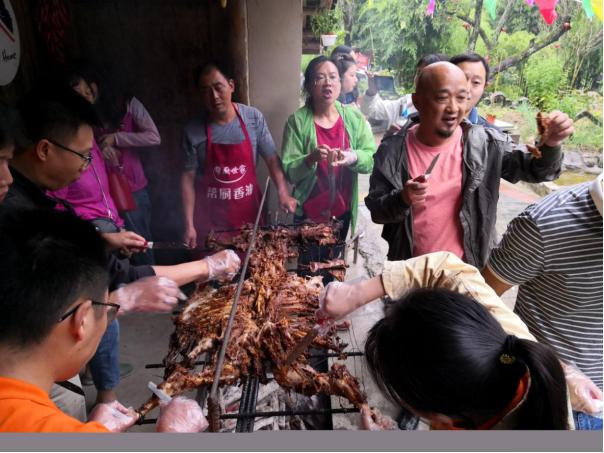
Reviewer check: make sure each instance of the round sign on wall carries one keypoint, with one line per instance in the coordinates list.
(10, 50)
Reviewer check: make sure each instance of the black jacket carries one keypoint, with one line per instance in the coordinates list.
(488, 155)
(24, 194)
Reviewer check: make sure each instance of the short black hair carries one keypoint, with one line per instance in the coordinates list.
(223, 67)
(54, 111)
(11, 129)
(343, 62)
(472, 57)
(49, 260)
(430, 58)
(341, 49)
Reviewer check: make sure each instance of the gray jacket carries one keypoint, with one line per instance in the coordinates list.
(488, 155)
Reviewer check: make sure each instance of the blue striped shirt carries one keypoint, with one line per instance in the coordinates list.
(553, 250)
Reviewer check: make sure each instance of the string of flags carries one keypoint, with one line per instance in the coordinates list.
(547, 8)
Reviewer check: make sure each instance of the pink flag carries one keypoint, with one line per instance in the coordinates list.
(430, 8)
(530, 2)
(547, 8)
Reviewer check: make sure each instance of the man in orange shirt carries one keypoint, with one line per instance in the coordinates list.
(53, 300)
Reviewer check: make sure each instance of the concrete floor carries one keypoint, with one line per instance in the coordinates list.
(144, 337)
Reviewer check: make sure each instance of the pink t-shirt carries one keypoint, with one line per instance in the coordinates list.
(436, 223)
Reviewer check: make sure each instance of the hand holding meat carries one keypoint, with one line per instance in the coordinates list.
(223, 265)
(585, 396)
(114, 416)
(181, 415)
(415, 191)
(558, 127)
(345, 159)
(321, 152)
(149, 294)
(338, 299)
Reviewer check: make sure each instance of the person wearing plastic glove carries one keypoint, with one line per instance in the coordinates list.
(440, 270)
(181, 415)
(161, 292)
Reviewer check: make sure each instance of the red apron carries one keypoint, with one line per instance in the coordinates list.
(228, 195)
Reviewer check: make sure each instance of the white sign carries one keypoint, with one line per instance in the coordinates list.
(10, 50)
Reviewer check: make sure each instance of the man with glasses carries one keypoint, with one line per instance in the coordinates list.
(58, 128)
(50, 329)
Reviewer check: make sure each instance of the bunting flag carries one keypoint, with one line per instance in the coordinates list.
(589, 12)
(596, 6)
(492, 8)
(547, 8)
(430, 8)
(530, 2)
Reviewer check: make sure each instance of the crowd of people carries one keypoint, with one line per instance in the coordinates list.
(75, 228)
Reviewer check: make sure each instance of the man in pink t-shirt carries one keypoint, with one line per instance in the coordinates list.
(455, 209)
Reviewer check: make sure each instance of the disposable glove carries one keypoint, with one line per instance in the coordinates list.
(346, 159)
(149, 294)
(181, 415)
(585, 396)
(223, 265)
(114, 416)
(338, 299)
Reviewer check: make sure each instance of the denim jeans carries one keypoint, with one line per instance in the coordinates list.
(139, 221)
(105, 364)
(586, 422)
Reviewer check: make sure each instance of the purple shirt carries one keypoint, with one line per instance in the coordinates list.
(89, 196)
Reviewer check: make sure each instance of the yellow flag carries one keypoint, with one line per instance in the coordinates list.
(596, 5)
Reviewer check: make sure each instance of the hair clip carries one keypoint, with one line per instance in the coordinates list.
(507, 359)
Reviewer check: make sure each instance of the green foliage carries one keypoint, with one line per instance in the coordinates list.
(305, 60)
(326, 22)
(544, 77)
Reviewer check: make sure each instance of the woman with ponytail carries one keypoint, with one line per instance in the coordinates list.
(451, 352)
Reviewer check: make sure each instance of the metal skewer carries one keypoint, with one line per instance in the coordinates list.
(213, 403)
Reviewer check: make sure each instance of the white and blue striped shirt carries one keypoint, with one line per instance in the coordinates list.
(553, 250)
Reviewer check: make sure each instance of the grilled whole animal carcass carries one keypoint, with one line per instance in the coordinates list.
(275, 311)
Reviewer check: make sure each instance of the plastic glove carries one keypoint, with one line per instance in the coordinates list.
(149, 294)
(223, 265)
(114, 416)
(338, 299)
(181, 415)
(346, 159)
(375, 421)
(585, 396)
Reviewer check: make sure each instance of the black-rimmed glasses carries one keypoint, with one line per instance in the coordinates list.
(87, 158)
(111, 312)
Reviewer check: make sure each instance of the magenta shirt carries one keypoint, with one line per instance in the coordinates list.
(89, 195)
(131, 163)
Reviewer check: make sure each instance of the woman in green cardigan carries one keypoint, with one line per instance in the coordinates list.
(325, 146)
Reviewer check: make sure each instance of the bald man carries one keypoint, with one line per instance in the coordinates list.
(455, 208)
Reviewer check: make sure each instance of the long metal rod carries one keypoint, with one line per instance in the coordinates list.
(227, 332)
(319, 356)
(343, 410)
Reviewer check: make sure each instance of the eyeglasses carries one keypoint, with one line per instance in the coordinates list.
(322, 80)
(87, 158)
(111, 312)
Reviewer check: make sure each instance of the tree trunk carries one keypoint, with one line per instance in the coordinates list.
(475, 26)
(502, 21)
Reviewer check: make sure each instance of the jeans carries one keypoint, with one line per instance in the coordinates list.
(139, 221)
(586, 422)
(105, 364)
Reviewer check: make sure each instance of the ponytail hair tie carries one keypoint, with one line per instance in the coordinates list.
(509, 346)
